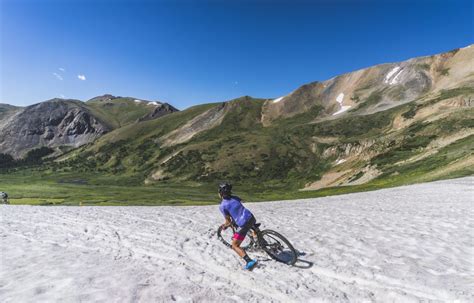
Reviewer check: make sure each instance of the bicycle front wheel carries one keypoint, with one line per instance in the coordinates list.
(278, 247)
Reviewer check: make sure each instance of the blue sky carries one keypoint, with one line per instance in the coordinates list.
(192, 52)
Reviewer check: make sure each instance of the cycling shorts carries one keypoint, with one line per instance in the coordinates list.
(241, 232)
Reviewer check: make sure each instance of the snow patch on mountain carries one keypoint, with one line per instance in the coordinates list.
(395, 79)
(343, 108)
(390, 74)
(278, 99)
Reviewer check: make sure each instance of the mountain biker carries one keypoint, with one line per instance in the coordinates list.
(4, 197)
(236, 214)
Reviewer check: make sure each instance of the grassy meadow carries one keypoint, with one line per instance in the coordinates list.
(48, 188)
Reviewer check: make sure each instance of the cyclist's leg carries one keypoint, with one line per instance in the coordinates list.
(239, 236)
(237, 239)
(236, 247)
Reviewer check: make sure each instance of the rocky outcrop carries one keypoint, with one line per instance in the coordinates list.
(160, 110)
(362, 150)
(51, 123)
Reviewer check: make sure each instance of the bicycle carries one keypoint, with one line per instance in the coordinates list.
(273, 243)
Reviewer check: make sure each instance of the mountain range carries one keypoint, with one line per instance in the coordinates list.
(394, 123)
(66, 123)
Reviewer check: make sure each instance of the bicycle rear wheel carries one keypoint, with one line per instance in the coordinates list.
(278, 247)
(225, 236)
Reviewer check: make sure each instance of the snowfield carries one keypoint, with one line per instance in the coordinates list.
(391, 73)
(405, 244)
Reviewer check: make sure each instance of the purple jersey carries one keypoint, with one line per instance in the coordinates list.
(234, 208)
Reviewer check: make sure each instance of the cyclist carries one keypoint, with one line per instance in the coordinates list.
(236, 214)
(4, 197)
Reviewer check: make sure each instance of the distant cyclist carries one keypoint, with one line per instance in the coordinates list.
(236, 214)
(4, 197)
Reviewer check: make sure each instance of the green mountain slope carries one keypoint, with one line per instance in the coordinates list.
(294, 152)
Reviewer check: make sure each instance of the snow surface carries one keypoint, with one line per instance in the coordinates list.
(343, 108)
(278, 99)
(153, 103)
(137, 101)
(340, 161)
(391, 73)
(405, 244)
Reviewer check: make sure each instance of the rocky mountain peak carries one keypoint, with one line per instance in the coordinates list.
(51, 123)
(377, 88)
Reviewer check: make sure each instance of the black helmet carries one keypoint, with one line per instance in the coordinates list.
(225, 188)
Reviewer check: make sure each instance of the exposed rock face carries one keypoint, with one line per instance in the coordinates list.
(364, 149)
(160, 110)
(61, 122)
(207, 120)
(52, 123)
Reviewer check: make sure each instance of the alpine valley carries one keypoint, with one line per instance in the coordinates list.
(382, 126)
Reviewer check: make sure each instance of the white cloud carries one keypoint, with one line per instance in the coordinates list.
(81, 77)
(62, 69)
(58, 76)
(62, 96)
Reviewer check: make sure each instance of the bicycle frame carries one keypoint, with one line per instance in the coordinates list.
(255, 235)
